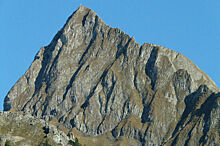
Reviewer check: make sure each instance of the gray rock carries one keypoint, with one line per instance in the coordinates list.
(27, 130)
(98, 80)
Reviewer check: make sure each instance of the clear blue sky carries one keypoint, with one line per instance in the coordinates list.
(191, 27)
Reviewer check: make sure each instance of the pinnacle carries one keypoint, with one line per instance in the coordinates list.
(82, 12)
(82, 8)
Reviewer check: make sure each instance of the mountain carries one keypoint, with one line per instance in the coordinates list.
(101, 85)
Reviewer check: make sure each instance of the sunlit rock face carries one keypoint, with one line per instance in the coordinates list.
(98, 80)
(21, 129)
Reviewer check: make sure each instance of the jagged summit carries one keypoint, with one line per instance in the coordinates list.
(97, 81)
(83, 8)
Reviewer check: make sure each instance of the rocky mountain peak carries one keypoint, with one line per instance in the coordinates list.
(97, 81)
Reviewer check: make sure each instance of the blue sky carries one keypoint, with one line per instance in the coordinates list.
(189, 27)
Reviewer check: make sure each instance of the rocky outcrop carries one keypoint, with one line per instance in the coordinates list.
(20, 130)
(98, 80)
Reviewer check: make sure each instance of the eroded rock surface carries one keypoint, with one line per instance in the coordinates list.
(98, 80)
(25, 130)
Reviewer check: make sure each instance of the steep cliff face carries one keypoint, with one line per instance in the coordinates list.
(98, 80)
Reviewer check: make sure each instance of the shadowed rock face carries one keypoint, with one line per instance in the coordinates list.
(98, 80)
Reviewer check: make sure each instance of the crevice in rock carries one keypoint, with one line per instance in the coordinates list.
(140, 51)
(110, 93)
(84, 120)
(146, 111)
(91, 41)
(150, 68)
(123, 108)
(189, 135)
(135, 80)
(86, 103)
(98, 128)
(143, 141)
(175, 140)
(45, 106)
(101, 105)
(113, 99)
(116, 134)
(72, 123)
(71, 81)
(84, 18)
(123, 50)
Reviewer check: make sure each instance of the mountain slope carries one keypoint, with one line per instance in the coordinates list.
(98, 80)
(25, 130)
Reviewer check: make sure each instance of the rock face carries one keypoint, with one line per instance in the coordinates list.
(98, 80)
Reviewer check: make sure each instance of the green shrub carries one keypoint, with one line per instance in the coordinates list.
(76, 143)
(7, 143)
(71, 142)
